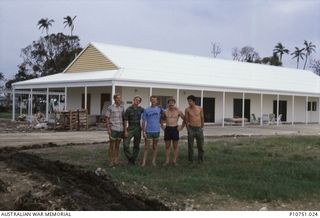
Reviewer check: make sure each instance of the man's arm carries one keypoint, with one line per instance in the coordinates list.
(162, 122)
(107, 125)
(143, 125)
(202, 118)
(181, 115)
(183, 122)
(125, 128)
(186, 118)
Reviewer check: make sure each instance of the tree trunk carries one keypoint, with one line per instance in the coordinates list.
(305, 63)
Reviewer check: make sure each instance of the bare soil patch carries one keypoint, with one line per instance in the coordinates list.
(29, 182)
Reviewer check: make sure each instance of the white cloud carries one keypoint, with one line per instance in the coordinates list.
(294, 7)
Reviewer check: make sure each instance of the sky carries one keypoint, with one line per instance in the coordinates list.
(179, 26)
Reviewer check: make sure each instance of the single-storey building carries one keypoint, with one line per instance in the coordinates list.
(225, 89)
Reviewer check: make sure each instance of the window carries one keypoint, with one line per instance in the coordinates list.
(309, 106)
(314, 106)
(163, 101)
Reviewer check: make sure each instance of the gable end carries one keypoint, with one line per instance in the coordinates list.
(90, 60)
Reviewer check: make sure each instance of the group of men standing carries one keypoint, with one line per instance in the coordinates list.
(136, 121)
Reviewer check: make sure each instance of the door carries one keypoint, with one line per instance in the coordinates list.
(208, 109)
(105, 101)
(282, 109)
(237, 108)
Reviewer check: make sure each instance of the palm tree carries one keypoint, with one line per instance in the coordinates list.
(280, 49)
(309, 47)
(45, 24)
(298, 53)
(69, 22)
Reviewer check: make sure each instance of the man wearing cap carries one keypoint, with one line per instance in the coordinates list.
(132, 129)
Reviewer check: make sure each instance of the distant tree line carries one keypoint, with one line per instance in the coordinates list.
(248, 54)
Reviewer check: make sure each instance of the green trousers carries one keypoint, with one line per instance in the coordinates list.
(195, 133)
(134, 133)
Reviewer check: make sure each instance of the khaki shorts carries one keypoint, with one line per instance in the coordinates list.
(116, 135)
(153, 135)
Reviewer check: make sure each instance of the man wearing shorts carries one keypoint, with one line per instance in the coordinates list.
(132, 129)
(151, 129)
(114, 125)
(171, 129)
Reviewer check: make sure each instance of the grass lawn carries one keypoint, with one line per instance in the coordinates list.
(6, 115)
(250, 169)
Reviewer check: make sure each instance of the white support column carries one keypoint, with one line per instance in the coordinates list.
(292, 111)
(86, 97)
(20, 104)
(201, 104)
(65, 98)
(47, 104)
(150, 94)
(28, 107)
(178, 97)
(261, 109)
(113, 92)
(13, 104)
(31, 104)
(277, 110)
(318, 108)
(59, 99)
(243, 101)
(223, 106)
(307, 99)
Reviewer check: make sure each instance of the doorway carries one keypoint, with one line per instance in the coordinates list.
(208, 109)
(282, 109)
(105, 101)
(237, 108)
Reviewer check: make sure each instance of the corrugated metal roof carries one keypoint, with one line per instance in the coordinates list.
(163, 67)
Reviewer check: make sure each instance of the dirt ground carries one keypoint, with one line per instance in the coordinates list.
(28, 182)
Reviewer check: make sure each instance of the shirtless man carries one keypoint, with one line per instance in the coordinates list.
(194, 121)
(171, 130)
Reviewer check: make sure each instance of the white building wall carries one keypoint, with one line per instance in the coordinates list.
(74, 98)
(95, 93)
(299, 109)
(127, 93)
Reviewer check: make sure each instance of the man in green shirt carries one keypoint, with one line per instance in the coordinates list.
(132, 129)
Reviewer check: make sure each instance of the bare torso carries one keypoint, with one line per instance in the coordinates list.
(172, 116)
(194, 116)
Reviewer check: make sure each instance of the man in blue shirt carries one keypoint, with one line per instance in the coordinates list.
(151, 129)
